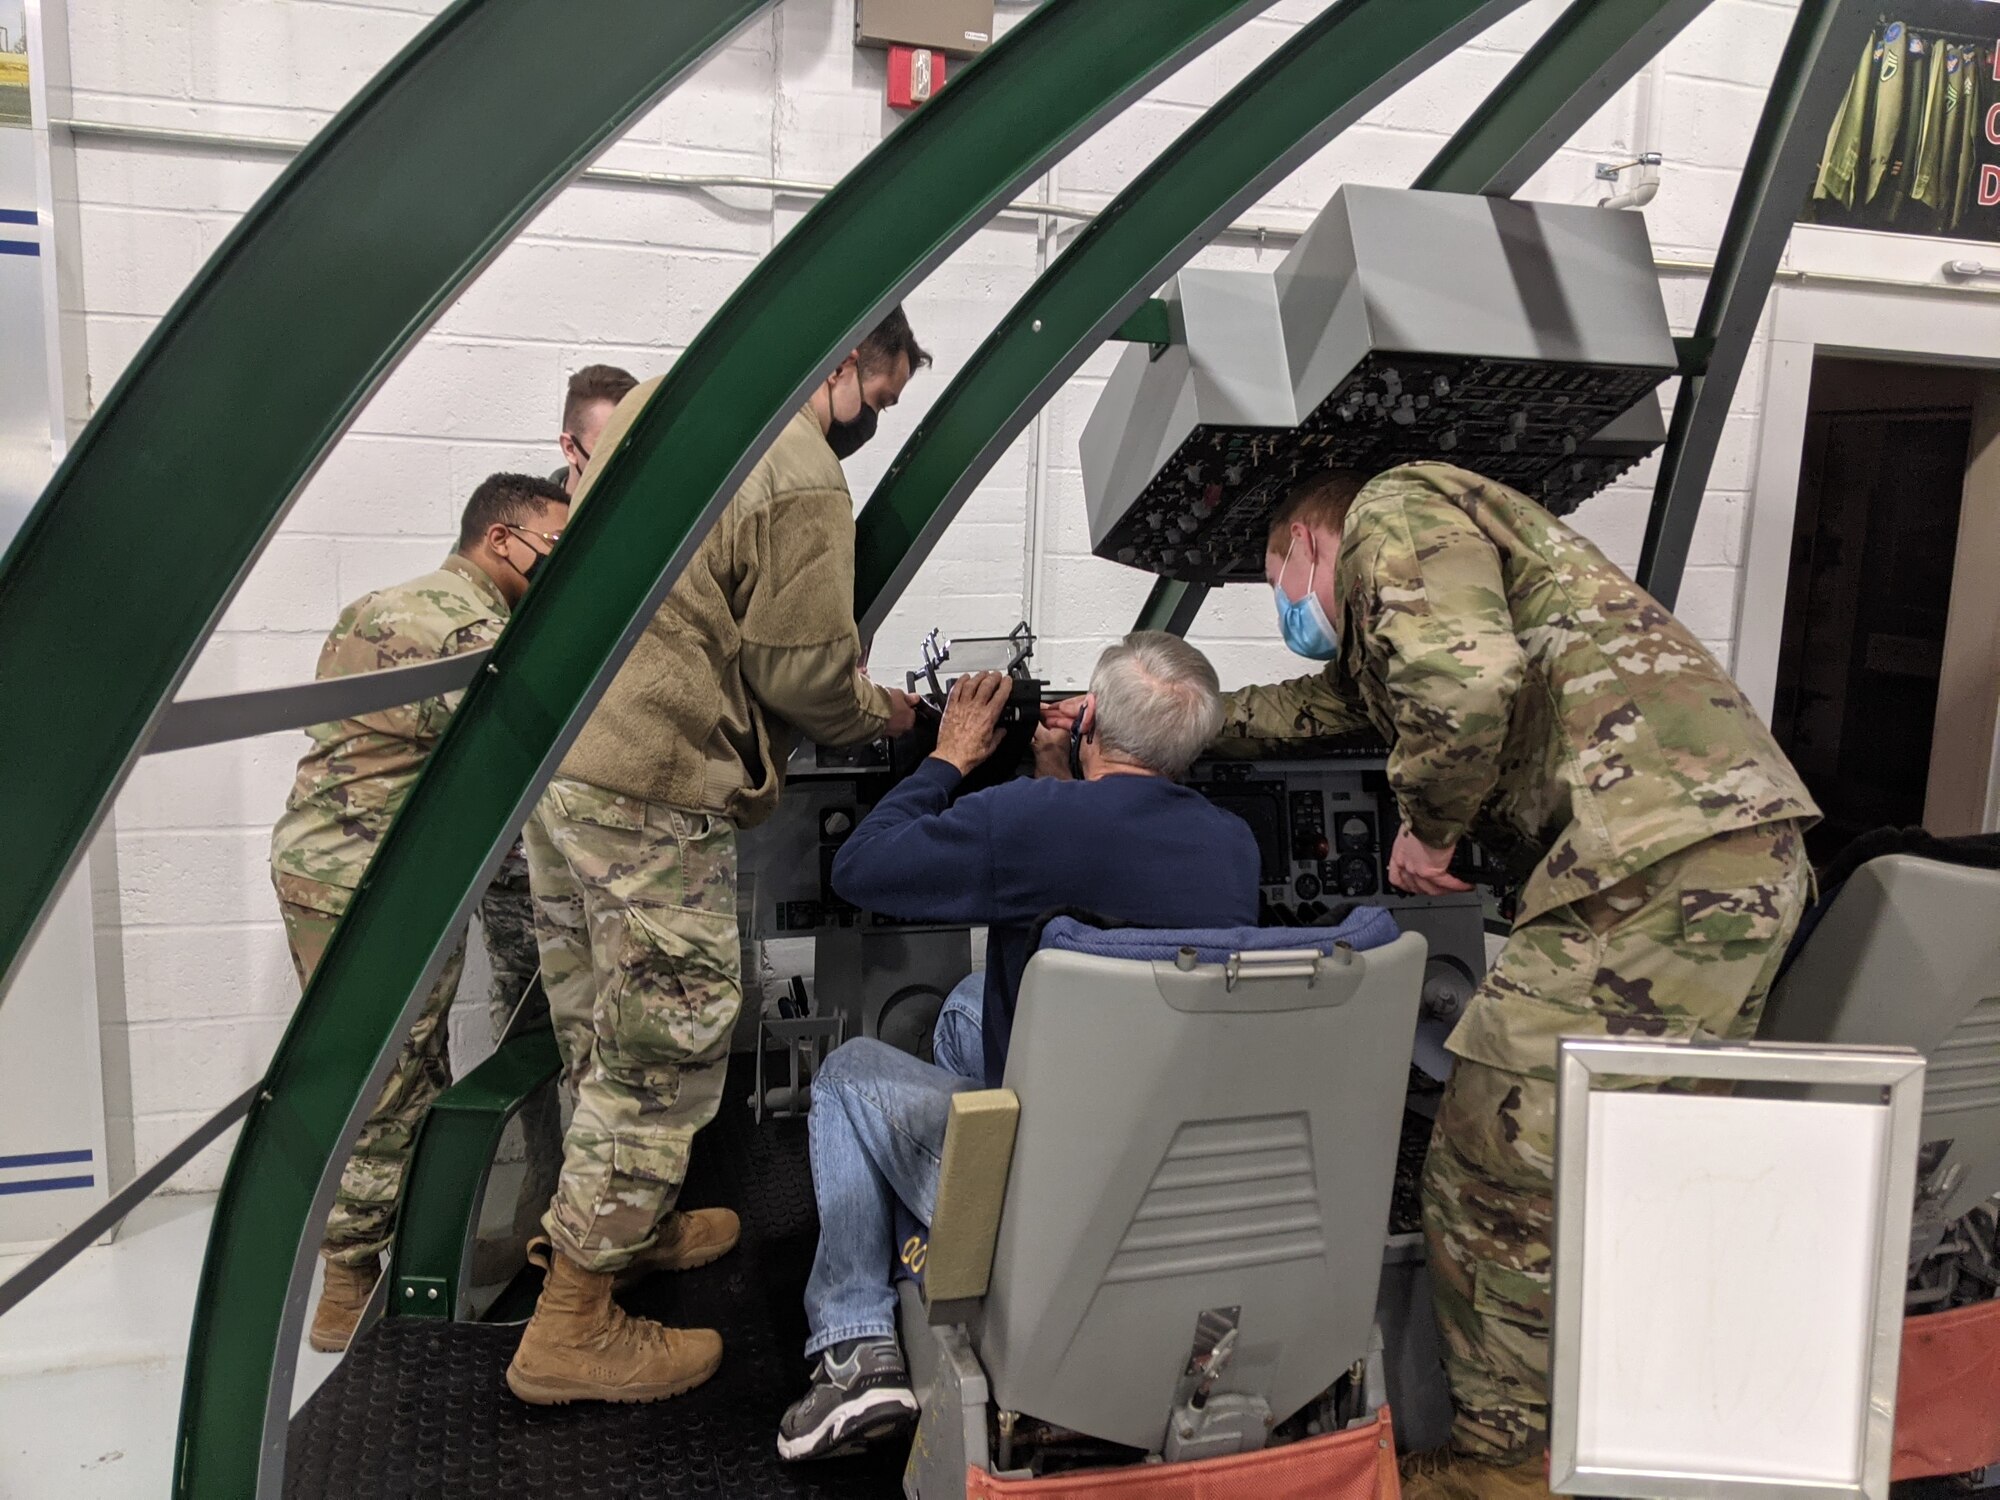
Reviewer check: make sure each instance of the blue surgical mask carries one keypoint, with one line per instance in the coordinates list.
(1306, 629)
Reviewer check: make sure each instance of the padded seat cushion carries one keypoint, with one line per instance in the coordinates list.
(1365, 927)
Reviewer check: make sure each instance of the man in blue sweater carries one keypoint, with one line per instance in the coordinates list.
(1116, 835)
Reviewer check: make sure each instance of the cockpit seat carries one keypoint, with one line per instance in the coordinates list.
(1906, 952)
(1181, 1249)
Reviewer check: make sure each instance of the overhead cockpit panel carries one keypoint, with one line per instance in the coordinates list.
(1523, 340)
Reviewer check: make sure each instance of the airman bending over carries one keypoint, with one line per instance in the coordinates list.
(1538, 700)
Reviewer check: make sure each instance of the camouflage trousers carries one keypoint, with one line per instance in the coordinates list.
(635, 912)
(364, 1205)
(507, 920)
(1686, 948)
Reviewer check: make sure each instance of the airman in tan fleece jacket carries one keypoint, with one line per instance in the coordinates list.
(632, 857)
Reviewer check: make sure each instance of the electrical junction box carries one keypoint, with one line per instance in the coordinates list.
(1522, 340)
(964, 27)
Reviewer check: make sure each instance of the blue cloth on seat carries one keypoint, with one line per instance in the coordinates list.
(1365, 927)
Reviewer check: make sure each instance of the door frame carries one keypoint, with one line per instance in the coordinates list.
(1862, 321)
(1807, 321)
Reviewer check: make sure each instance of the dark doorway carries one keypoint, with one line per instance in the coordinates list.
(1886, 448)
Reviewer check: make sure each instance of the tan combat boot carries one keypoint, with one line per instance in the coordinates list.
(1445, 1475)
(581, 1346)
(685, 1241)
(342, 1301)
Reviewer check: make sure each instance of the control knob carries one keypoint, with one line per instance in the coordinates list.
(1447, 987)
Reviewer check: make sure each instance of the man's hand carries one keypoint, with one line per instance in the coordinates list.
(1421, 870)
(971, 730)
(1052, 753)
(902, 713)
(1061, 714)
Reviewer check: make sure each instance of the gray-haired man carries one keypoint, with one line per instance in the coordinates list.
(1127, 841)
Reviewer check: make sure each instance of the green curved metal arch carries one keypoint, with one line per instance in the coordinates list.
(1334, 71)
(1805, 91)
(259, 366)
(1591, 52)
(920, 194)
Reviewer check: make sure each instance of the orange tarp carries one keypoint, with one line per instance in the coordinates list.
(1948, 1395)
(1356, 1465)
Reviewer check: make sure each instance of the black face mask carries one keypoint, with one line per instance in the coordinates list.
(1076, 748)
(846, 438)
(528, 573)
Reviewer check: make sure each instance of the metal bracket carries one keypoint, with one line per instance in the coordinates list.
(807, 1040)
(1693, 352)
(422, 1297)
(1155, 323)
(1608, 171)
(1205, 1426)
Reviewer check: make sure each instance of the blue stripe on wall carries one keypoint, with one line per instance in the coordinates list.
(19, 247)
(44, 1159)
(44, 1185)
(18, 216)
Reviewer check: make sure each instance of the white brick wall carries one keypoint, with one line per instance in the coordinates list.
(630, 275)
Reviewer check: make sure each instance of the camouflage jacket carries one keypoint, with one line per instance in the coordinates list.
(358, 772)
(1532, 695)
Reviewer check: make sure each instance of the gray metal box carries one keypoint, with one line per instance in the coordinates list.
(963, 27)
(1523, 340)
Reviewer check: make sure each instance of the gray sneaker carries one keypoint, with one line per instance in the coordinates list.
(860, 1393)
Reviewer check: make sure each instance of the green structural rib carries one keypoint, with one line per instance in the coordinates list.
(1591, 52)
(446, 1178)
(1334, 71)
(1171, 606)
(923, 192)
(1805, 91)
(307, 306)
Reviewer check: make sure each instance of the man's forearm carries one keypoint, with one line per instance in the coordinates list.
(1303, 708)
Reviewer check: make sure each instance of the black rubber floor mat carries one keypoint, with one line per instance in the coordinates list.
(419, 1408)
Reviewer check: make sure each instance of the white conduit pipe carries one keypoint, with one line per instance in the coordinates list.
(211, 141)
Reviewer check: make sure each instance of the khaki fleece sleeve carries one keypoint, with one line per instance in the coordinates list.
(1440, 624)
(1303, 708)
(801, 652)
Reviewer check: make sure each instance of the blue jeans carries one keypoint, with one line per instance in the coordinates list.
(958, 1045)
(877, 1124)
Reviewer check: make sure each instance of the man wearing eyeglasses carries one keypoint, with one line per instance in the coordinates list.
(349, 786)
(594, 393)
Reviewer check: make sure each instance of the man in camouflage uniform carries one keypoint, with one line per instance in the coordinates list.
(348, 788)
(632, 854)
(1538, 700)
(590, 398)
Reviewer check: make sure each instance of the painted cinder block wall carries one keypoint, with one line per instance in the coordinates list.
(192, 961)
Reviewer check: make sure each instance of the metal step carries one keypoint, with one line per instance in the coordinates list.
(419, 1406)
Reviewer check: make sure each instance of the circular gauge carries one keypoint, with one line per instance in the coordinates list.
(1357, 875)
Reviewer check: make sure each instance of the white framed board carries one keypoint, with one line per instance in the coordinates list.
(1729, 1269)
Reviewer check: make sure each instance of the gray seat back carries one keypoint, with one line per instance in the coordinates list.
(1191, 1142)
(1909, 955)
